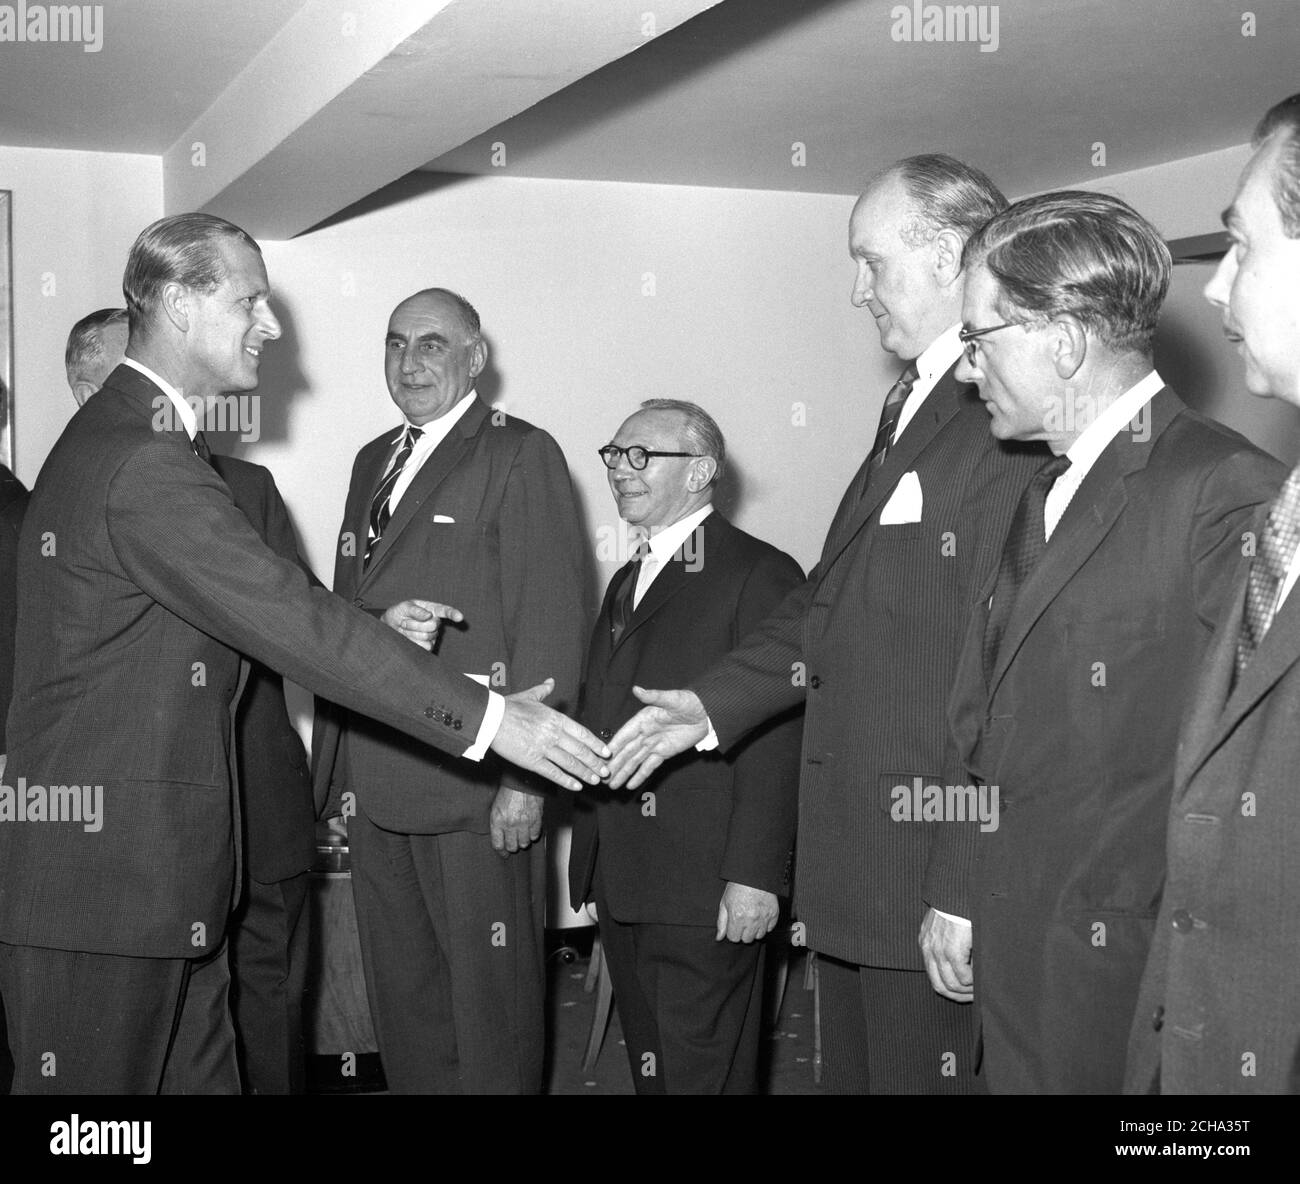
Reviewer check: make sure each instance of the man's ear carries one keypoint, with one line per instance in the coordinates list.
(947, 248)
(82, 390)
(1069, 345)
(478, 359)
(175, 304)
(702, 472)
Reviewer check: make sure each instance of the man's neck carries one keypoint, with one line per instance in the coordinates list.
(1087, 396)
(171, 365)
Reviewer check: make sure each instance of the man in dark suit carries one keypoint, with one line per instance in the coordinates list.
(474, 508)
(140, 582)
(13, 501)
(1219, 1009)
(685, 874)
(268, 931)
(871, 640)
(1115, 569)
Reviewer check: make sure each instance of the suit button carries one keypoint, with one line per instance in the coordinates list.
(428, 713)
(1182, 920)
(358, 602)
(607, 733)
(815, 681)
(456, 724)
(1158, 1017)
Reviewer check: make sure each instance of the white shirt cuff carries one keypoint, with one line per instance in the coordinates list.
(487, 730)
(710, 742)
(950, 917)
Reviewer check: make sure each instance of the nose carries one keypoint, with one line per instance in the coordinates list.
(966, 370)
(269, 324)
(1216, 291)
(861, 286)
(411, 358)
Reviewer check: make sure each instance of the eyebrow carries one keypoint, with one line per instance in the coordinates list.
(438, 337)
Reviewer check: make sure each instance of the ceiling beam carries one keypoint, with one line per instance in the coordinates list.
(347, 98)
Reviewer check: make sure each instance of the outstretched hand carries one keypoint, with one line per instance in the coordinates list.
(534, 737)
(672, 722)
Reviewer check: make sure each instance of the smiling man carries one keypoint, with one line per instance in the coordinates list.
(1115, 568)
(686, 873)
(140, 584)
(468, 515)
(1220, 1005)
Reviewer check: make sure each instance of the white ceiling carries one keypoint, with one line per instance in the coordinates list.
(718, 100)
(162, 64)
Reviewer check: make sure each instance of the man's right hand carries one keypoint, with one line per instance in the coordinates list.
(420, 620)
(534, 737)
(673, 722)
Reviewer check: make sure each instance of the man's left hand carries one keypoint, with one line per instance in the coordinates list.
(516, 820)
(746, 914)
(946, 945)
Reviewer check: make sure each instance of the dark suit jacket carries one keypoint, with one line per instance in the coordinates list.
(1219, 1007)
(13, 503)
(667, 851)
(278, 814)
(873, 638)
(140, 583)
(490, 526)
(1077, 729)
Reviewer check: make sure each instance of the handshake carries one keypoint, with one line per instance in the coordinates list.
(535, 737)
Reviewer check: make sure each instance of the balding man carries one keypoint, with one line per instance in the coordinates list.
(95, 348)
(463, 515)
(687, 873)
(140, 584)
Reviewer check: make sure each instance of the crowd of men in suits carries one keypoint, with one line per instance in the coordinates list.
(1021, 747)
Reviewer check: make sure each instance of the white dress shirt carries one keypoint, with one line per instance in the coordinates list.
(1093, 441)
(434, 433)
(932, 365)
(662, 546)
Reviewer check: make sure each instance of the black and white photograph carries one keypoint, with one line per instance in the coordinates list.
(649, 547)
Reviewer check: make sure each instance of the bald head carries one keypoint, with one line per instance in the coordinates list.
(95, 348)
(433, 353)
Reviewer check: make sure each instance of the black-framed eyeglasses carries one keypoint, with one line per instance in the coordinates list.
(637, 455)
(968, 337)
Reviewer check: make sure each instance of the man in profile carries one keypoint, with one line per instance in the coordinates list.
(1219, 1011)
(140, 584)
(686, 874)
(268, 936)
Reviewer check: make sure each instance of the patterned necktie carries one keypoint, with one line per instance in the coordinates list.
(1026, 542)
(1277, 548)
(889, 414)
(380, 511)
(201, 449)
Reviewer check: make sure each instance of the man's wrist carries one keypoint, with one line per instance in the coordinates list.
(488, 729)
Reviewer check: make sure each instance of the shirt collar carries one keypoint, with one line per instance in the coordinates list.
(939, 355)
(1109, 423)
(183, 409)
(665, 543)
(438, 429)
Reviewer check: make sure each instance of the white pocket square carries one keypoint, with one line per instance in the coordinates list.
(904, 503)
(443, 518)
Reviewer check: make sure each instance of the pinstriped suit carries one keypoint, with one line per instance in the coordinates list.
(877, 630)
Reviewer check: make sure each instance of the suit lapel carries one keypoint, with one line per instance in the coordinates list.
(1092, 512)
(670, 580)
(435, 470)
(940, 405)
(357, 517)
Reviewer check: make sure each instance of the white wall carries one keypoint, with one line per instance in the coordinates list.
(75, 215)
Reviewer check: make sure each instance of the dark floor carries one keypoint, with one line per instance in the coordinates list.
(788, 1044)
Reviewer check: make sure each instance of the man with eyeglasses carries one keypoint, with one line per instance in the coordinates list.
(1117, 565)
(870, 644)
(687, 873)
(461, 531)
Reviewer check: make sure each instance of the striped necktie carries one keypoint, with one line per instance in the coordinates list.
(380, 507)
(1277, 548)
(889, 414)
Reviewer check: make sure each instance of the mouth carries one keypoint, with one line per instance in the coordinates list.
(253, 351)
(1232, 335)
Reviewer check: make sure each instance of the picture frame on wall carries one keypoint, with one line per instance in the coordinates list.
(6, 331)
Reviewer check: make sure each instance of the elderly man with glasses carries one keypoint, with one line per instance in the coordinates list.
(1116, 567)
(685, 874)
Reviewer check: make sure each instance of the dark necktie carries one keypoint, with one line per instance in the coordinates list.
(201, 449)
(620, 612)
(1277, 548)
(380, 510)
(889, 414)
(1026, 542)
